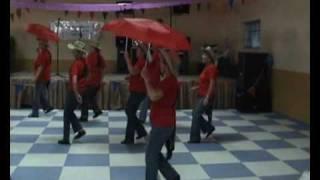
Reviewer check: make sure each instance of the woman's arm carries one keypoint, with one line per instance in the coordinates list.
(131, 69)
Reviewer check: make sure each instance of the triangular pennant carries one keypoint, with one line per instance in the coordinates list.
(231, 3)
(199, 6)
(105, 14)
(12, 17)
(18, 12)
(91, 15)
(79, 14)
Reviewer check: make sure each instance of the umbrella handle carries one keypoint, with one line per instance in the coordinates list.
(126, 47)
(149, 57)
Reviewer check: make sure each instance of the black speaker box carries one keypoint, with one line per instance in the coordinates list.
(254, 69)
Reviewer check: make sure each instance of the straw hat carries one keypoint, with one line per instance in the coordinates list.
(78, 45)
(209, 51)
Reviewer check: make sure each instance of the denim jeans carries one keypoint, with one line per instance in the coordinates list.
(69, 117)
(133, 123)
(154, 158)
(41, 97)
(198, 122)
(144, 106)
(89, 98)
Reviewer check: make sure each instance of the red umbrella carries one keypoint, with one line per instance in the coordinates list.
(42, 32)
(149, 31)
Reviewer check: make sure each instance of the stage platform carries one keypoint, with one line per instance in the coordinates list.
(114, 92)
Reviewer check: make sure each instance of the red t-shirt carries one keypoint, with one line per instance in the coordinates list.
(208, 73)
(154, 69)
(79, 69)
(163, 111)
(95, 64)
(136, 82)
(44, 60)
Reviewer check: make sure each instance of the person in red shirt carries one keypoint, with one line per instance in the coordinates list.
(206, 93)
(137, 91)
(96, 68)
(163, 98)
(76, 90)
(42, 73)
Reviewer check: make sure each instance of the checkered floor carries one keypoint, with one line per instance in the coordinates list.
(244, 147)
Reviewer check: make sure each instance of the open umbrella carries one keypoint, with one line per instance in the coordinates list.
(42, 32)
(149, 31)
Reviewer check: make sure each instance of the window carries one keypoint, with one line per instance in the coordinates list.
(75, 30)
(252, 34)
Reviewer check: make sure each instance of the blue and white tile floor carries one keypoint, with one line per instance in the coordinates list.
(244, 147)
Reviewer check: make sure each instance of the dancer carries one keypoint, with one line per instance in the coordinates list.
(206, 90)
(42, 73)
(77, 87)
(96, 68)
(163, 118)
(137, 94)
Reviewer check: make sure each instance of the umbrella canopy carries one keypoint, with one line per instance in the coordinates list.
(42, 32)
(149, 31)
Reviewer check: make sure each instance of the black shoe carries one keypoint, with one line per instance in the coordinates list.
(127, 142)
(33, 115)
(210, 132)
(48, 110)
(193, 142)
(63, 141)
(98, 113)
(80, 134)
(83, 119)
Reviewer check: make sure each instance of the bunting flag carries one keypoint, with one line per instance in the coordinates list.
(91, 15)
(79, 14)
(231, 3)
(199, 6)
(66, 13)
(105, 14)
(209, 6)
(18, 12)
(12, 17)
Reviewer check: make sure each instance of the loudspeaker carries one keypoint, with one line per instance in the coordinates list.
(121, 42)
(254, 70)
(181, 9)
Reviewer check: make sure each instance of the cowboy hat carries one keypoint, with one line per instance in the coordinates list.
(208, 50)
(78, 45)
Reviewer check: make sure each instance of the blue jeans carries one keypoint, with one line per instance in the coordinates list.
(40, 97)
(144, 106)
(89, 98)
(133, 123)
(198, 123)
(69, 117)
(154, 158)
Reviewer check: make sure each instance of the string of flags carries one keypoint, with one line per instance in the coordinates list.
(18, 13)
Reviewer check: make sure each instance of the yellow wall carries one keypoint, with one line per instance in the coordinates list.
(285, 34)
